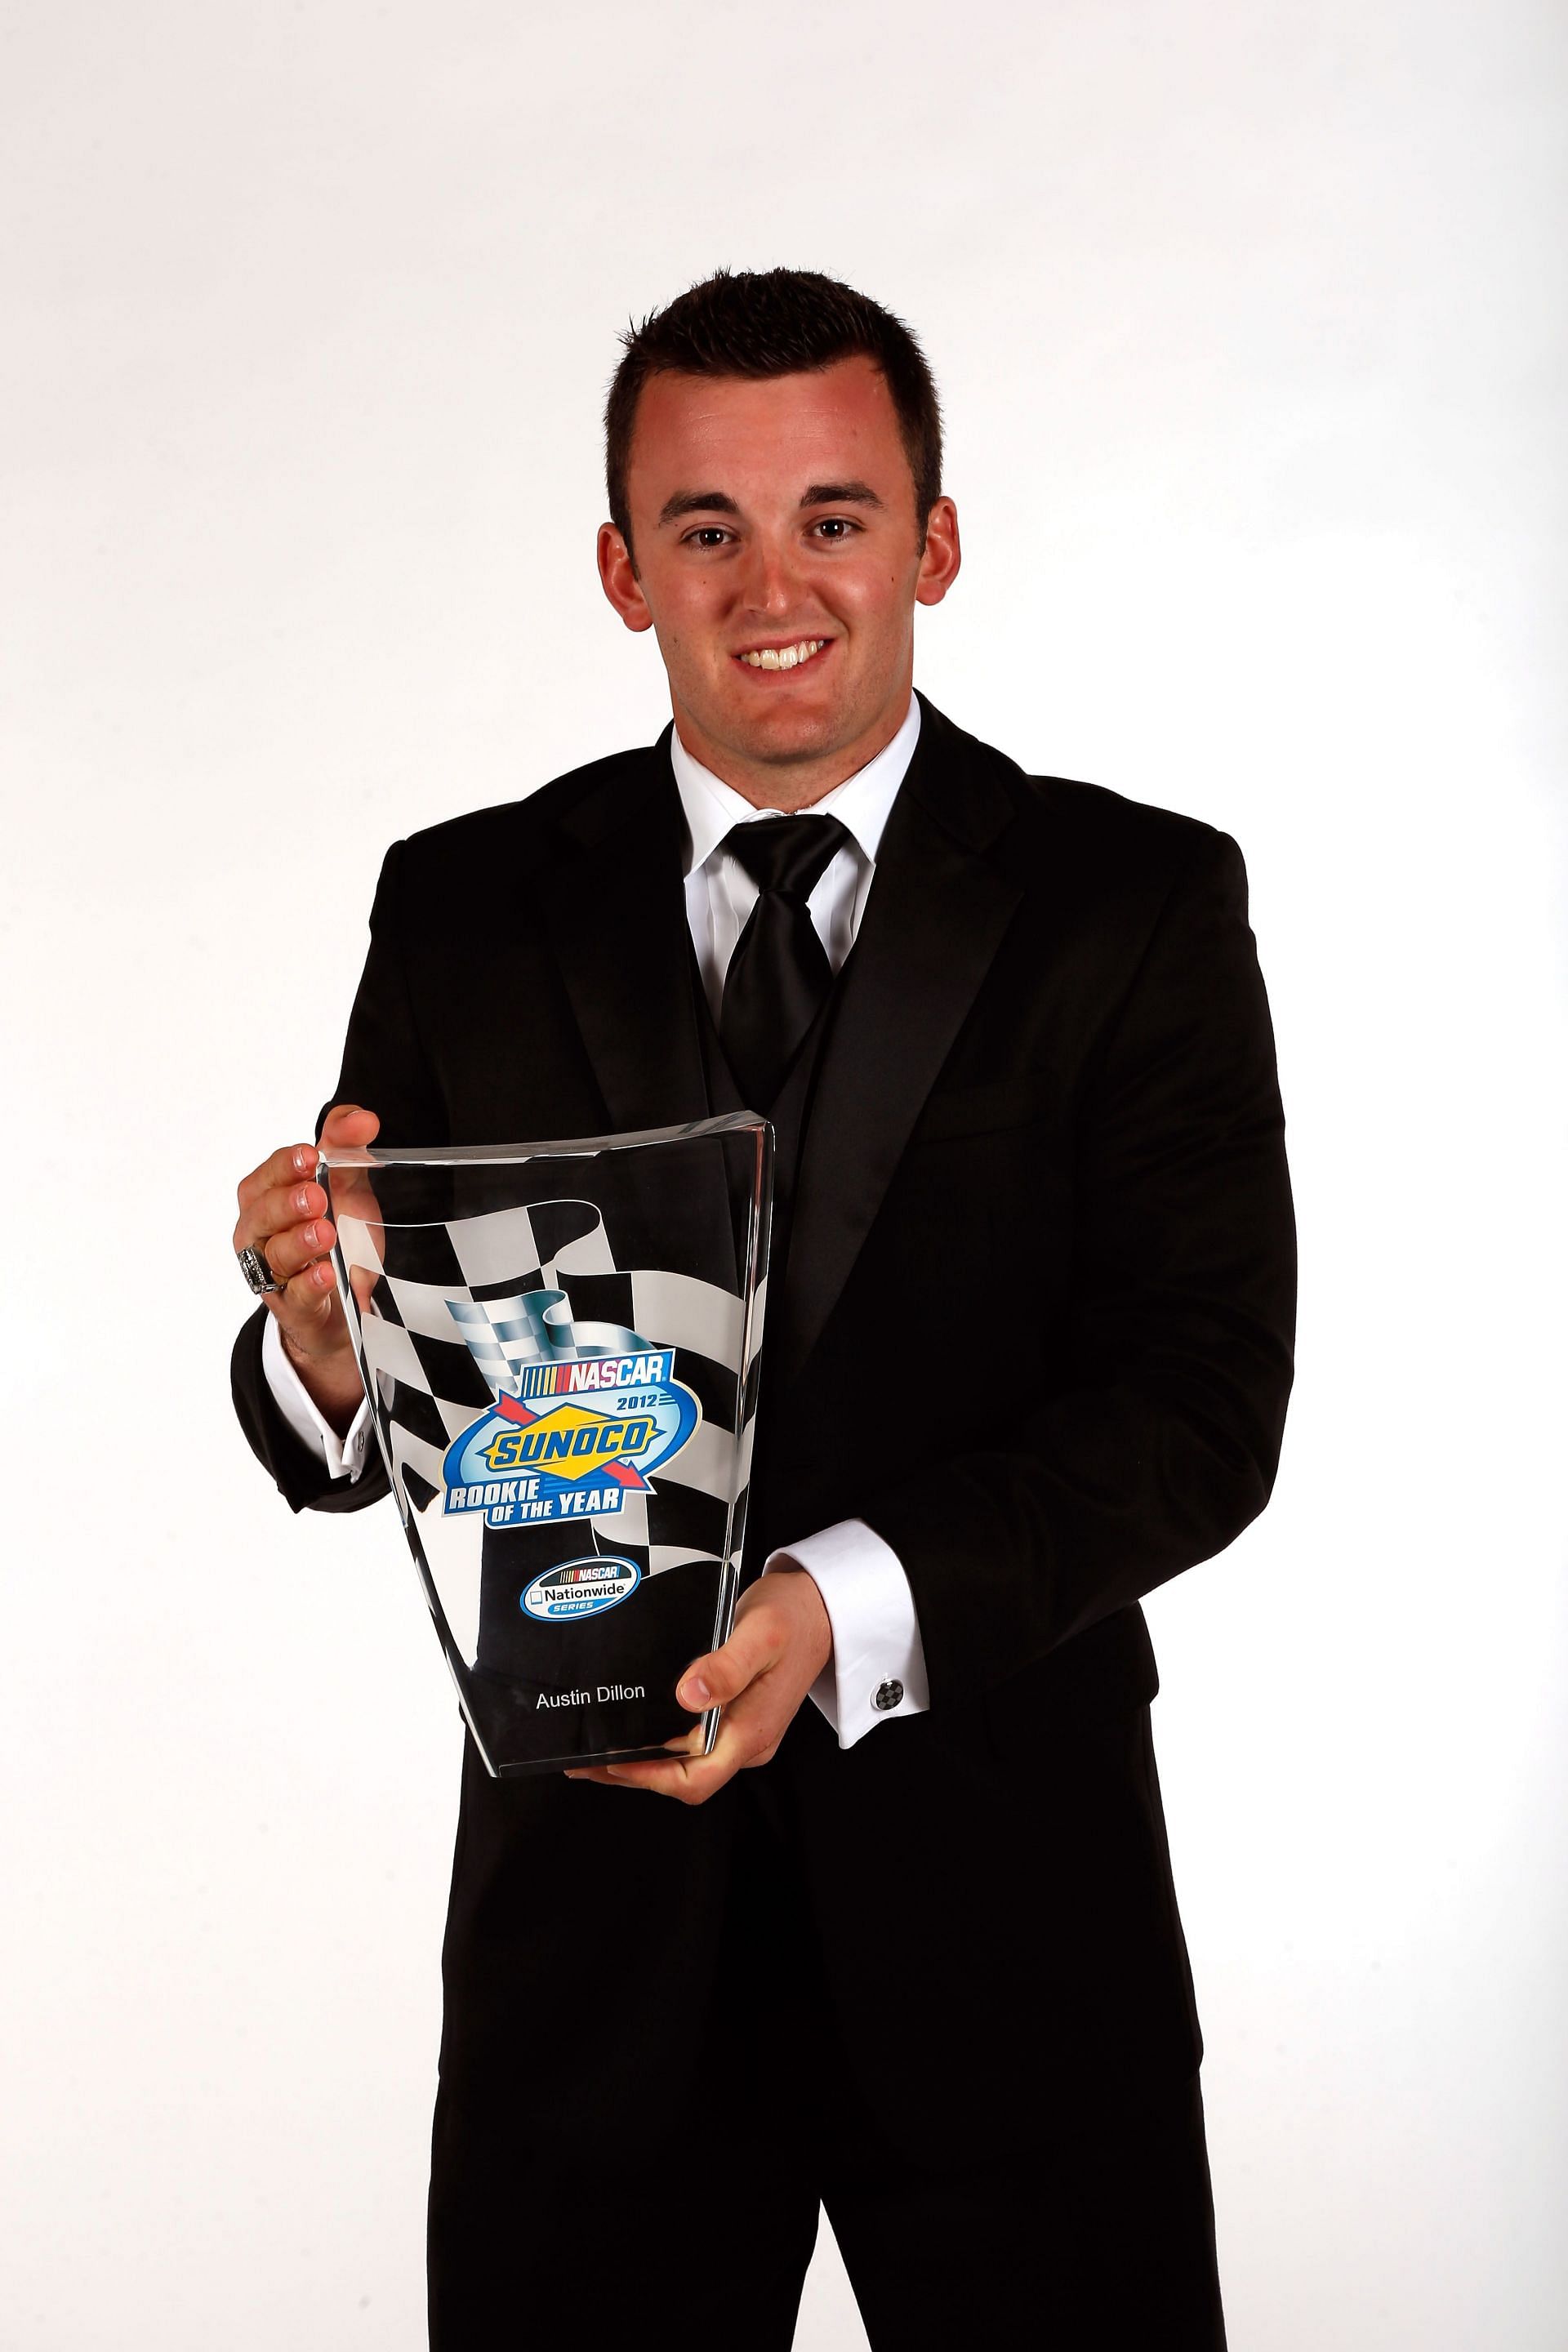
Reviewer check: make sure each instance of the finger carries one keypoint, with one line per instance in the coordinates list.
(351, 1202)
(307, 1304)
(719, 1678)
(276, 1209)
(292, 1160)
(688, 1743)
(308, 1301)
(751, 1725)
(289, 1252)
(748, 1736)
(689, 1784)
(619, 1775)
(349, 1127)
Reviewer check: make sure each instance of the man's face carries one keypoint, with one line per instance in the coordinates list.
(779, 559)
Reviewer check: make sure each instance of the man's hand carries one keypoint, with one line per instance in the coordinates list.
(282, 1213)
(781, 1642)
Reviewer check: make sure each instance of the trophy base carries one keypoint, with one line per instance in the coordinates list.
(581, 1763)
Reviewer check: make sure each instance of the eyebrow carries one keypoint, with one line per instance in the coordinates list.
(820, 494)
(684, 502)
(840, 494)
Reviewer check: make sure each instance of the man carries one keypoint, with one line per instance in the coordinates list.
(908, 1944)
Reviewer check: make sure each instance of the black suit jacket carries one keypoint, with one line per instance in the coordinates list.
(1035, 1331)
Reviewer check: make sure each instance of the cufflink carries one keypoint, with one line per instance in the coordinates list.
(887, 1695)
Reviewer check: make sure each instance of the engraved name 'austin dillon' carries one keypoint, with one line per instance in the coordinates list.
(601, 1697)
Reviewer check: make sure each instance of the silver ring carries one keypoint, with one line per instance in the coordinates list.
(257, 1273)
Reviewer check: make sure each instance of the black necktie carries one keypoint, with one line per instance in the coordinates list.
(779, 974)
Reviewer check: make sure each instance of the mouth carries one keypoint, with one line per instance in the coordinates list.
(795, 655)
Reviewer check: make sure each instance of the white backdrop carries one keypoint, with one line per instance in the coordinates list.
(1250, 323)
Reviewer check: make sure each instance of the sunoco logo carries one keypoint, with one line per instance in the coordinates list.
(580, 1588)
(576, 1437)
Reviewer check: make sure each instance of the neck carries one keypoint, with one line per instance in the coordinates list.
(791, 781)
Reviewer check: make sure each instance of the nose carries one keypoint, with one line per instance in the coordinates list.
(770, 585)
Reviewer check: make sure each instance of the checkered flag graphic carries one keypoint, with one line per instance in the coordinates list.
(458, 1311)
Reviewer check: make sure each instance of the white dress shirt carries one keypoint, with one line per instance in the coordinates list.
(876, 1671)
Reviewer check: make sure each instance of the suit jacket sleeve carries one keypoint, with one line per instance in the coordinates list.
(385, 1068)
(1164, 1442)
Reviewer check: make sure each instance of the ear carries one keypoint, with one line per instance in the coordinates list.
(942, 556)
(617, 575)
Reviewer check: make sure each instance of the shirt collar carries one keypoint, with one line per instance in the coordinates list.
(862, 803)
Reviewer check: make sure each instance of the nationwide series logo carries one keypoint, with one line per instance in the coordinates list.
(580, 1436)
(580, 1588)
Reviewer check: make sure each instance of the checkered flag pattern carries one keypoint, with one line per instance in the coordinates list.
(457, 1310)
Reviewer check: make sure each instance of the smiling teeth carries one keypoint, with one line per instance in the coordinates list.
(785, 657)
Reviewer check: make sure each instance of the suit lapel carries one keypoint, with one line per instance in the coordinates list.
(939, 904)
(617, 922)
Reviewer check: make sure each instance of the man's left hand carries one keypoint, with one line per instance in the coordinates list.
(781, 1642)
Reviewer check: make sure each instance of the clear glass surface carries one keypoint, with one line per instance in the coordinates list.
(560, 1344)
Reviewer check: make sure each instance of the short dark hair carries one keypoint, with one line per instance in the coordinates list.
(765, 322)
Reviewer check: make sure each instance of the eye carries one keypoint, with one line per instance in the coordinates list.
(707, 535)
(834, 528)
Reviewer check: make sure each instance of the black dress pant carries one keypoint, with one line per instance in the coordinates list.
(1103, 2241)
(1095, 2233)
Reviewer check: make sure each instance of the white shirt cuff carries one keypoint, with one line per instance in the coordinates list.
(878, 1670)
(344, 1456)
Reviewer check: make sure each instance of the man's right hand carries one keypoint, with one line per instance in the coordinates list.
(282, 1213)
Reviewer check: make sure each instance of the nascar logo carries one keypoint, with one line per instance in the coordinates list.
(573, 1376)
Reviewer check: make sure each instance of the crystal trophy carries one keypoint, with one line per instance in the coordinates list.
(559, 1343)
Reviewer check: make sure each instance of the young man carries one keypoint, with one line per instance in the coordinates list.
(907, 1943)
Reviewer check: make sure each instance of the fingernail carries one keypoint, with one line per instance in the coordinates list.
(302, 1199)
(694, 1692)
(309, 1236)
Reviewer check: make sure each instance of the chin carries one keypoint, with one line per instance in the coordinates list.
(795, 729)
(786, 734)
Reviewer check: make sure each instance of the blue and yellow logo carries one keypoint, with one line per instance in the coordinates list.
(581, 1434)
